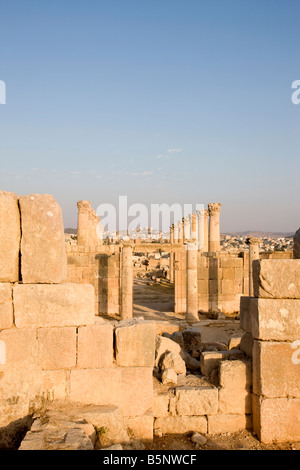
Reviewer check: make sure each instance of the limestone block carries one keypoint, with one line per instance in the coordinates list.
(235, 401)
(276, 278)
(140, 427)
(275, 319)
(231, 262)
(95, 346)
(228, 273)
(224, 423)
(275, 373)
(164, 345)
(235, 341)
(173, 361)
(135, 343)
(43, 254)
(210, 360)
(161, 404)
(169, 376)
(227, 286)
(10, 235)
(202, 273)
(57, 347)
(181, 424)
(276, 419)
(6, 306)
(197, 401)
(21, 347)
(109, 420)
(45, 305)
(54, 384)
(235, 374)
(129, 388)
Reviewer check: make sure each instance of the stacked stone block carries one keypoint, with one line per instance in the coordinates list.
(101, 269)
(52, 346)
(272, 320)
(220, 282)
(207, 408)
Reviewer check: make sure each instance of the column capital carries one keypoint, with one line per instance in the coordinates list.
(214, 208)
(253, 241)
(84, 206)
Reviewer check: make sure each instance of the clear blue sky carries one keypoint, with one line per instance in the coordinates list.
(184, 101)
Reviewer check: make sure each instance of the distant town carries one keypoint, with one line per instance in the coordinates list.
(232, 242)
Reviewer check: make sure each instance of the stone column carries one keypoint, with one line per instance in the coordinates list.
(192, 288)
(205, 248)
(172, 234)
(180, 231)
(214, 226)
(194, 227)
(127, 282)
(253, 255)
(176, 234)
(186, 229)
(171, 266)
(201, 229)
(83, 222)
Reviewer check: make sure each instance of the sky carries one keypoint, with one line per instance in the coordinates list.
(164, 101)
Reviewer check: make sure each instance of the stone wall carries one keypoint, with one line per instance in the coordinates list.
(271, 320)
(52, 346)
(101, 269)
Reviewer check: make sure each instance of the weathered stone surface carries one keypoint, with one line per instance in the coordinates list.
(173, 361)
(169, 376)
(57, 347)
(6, 306)
(164, 345)
(235, 374)
(161, 404)
(135, 343)
(43, 254)
(209, 360)
(10, 236)
(276, 278)
(140, 427)
(128, 388)
(54, 384)
(181, 424)
(275, 319)
(197, 401)
(235, 401)
(59, 431)
(95, 346)
(45, 305)
(276, 419)
(224, 423)
(109, 423)
(275, 374)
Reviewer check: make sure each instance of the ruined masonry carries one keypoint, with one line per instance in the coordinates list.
(135, 378)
